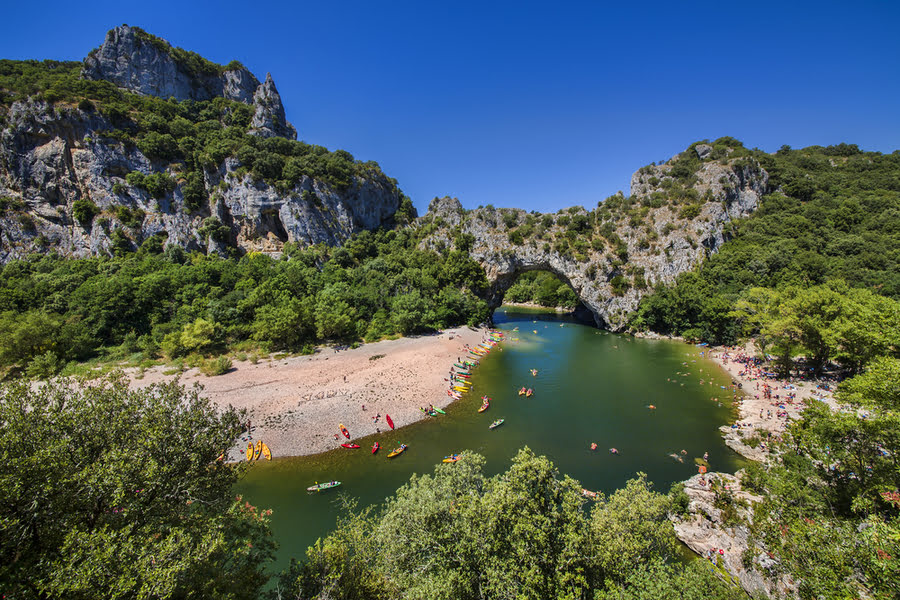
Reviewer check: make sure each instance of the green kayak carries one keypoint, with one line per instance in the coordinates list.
(323, 486)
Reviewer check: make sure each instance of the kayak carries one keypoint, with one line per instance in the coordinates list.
(436, 409)
(451, 459)
(484, 407)
(250, 451)
(344, 431)
(398, 451)
(349, 445)
(529, 393)
(265, 450)
(258, 450)
(522, 392)
(589, 494)
(375, 447)
(387, 418)
(323, 486)
(497, 423)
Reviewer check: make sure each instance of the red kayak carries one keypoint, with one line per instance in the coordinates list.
(344, 431)
(349, 445)
(387, 418)
(375, 447)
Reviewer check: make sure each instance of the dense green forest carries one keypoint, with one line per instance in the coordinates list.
(834, 216)
(153, 303)
(541, 287)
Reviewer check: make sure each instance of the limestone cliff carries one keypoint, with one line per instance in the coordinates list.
(71, 173)
(615, 254)
(145, 64)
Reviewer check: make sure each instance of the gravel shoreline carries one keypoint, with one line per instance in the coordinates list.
(295, 404)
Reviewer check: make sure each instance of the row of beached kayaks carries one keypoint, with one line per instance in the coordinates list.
(260, 449)
(460, 382)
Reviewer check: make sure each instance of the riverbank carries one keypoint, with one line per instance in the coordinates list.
(765, 404)
(559, 309)
(296, 403)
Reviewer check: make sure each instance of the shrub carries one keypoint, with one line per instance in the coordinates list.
(84, 211)
(215, 366)
(691, 211)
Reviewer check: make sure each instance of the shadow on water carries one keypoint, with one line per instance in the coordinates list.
(592, 386)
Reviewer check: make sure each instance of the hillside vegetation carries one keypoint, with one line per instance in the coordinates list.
(832, 220)
(168, 303)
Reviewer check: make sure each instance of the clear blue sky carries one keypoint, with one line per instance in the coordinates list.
(535, 105)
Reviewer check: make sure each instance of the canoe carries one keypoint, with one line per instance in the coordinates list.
(258, 450)
(387, 418)
(323, 486)
(375, 447)
(529, 393)
(522, 392)
(250, 451)
(265, 450)
(451, 459)
(497, 423)
(349, 445)
(484, 407)
(344, 431)
(589, 494)
(398, 451)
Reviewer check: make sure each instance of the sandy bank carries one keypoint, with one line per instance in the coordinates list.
(295, 404)
(766, 404)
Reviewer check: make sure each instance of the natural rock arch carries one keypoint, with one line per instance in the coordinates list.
(617, 253)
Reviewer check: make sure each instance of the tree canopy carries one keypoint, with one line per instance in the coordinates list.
(107, 492)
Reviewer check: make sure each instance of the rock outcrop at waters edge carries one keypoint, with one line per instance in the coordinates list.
(611, 256)
(55, 154)
(705, 528)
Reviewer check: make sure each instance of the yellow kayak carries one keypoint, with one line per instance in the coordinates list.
(250, 452)
(258, 450)
(265, 450)
(397, 451)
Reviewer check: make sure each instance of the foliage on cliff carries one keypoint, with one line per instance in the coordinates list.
(835, 216)
(458, 534)
(107, 492)
(153, 303)
(191, 135)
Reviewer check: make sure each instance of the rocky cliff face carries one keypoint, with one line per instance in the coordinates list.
(54, 157)
(704, 528)
(144, 64)
(614, 256)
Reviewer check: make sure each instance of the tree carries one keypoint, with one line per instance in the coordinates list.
(112, 511)
(630, 529)
(458, 534)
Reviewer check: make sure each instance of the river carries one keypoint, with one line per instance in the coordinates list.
(591, 386)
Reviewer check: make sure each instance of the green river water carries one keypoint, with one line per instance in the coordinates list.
(592, 386)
